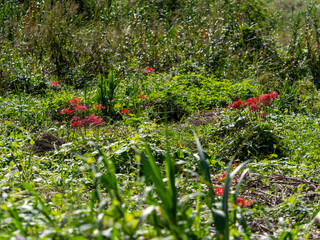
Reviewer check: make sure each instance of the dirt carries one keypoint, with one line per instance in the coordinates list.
(46, 142)
(203, 118)
(272, 191)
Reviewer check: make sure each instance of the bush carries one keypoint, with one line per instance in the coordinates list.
(196, 92)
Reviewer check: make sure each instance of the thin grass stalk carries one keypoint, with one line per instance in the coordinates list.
(170, 174)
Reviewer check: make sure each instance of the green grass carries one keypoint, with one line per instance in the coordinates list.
(152, 163)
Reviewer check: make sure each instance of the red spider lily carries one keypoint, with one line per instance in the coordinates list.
(75, 119)
(75, 101)
(125, 111)
(263, 115)
(94, 120)
(266, 103)
(221, 178)
(81, 108)
(99, 106)
(251, 101)
(150, 69)
(243, 202)
(268, 96)
(218, 191)
(254, 107)
(237, 104)
(254, 103)
(54, 83)
(142, 96)
(266, 99)
(77, 124)
(66, 111)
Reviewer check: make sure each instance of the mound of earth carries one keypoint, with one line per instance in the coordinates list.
(202, 119)
(46, 142)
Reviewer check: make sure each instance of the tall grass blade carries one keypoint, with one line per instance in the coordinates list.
(170, 174)
(108, 179)
(157, 180)
(239, 183)
(204, 168)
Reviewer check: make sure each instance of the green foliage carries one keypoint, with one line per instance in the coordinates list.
(161, 34)
(250, 136)
(187, 93)
(260, 141)
(308, 96)
(106, 92)
(137, 176)
(288, 96)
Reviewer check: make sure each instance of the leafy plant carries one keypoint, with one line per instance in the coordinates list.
(106, 92)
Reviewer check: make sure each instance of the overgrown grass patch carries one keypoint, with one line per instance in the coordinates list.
(159, 120)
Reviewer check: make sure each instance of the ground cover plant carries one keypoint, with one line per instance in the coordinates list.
(170, 119)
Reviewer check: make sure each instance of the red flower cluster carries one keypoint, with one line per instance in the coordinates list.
(219, 191)
(95, 120)
(243, 202)
(54, 83)
(150, 69)
(99, 106)
(240, 201)
(222, 178)
(75, 101)
(81, 108)
(66, 111)
(92, 120)
(254, 107)
(125, 111)
(266, 99)
(237, 104)
(254, 103)
(142, 96)
(77, 121)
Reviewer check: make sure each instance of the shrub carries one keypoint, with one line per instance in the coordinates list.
(187, 93)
